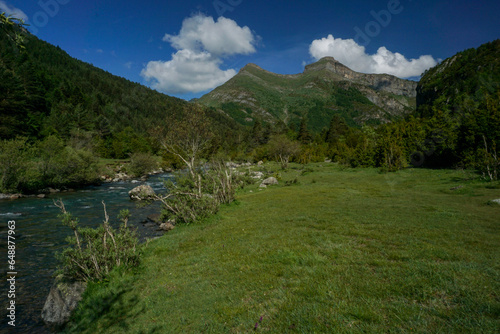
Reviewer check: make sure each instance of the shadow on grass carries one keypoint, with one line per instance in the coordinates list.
(113, 306)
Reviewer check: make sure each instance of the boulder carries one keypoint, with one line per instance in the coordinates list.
(142, 192)
(61, 301)
(155, 218)
(257, 175)
(497, 201)
(269, 181)
(166, 226)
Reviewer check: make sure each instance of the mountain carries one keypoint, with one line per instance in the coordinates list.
(461, 82)
(44, 91)
(324, 89)
(458, 101)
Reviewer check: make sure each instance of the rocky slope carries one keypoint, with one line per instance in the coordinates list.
(324, 88)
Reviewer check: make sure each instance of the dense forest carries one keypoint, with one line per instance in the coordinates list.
(59, 116)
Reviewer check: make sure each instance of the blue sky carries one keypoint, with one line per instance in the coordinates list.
(186, 48)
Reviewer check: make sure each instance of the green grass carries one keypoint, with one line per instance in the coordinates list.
(341, 251)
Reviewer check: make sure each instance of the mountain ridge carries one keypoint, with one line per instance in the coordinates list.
(323, 89)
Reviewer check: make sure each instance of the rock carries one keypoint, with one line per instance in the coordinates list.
(41, 195)
(257, 175)
(155, 218)
(262, 185)
(260, 163)
(54, 191)
(61, 301)
(269, 181)
(496, 201)
(142, 192)
(166, 226)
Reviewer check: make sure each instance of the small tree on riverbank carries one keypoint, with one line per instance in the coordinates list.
(93, 253)
(198, 192)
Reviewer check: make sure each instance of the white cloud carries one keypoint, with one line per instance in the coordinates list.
(201, 45)
(223, 37)
(353, 55)
(187, 72)
(128, 64)
(11, 10)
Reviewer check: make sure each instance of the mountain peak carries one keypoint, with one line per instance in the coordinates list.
(251, 66)
(329, 64)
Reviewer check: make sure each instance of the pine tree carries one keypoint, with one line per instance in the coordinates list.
(304, 136)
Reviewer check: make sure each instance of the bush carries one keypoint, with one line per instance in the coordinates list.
(14, 161)
(94, 253)
(142, 164)
(194, 197)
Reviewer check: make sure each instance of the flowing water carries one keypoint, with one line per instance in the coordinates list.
(39, 234)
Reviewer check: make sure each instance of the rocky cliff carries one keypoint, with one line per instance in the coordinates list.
(325, 88)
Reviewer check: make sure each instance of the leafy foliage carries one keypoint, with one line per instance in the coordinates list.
(142, 164)
(94, 253)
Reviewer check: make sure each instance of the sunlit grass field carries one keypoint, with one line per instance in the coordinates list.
(337, 251)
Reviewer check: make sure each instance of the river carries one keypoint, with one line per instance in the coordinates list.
(39, 234)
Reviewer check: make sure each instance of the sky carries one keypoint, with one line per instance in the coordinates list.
(187, 48)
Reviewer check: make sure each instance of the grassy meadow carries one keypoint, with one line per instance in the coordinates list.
(328, 250)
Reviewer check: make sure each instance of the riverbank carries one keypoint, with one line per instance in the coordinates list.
(115, 174)
(40, 234)
(326, 250)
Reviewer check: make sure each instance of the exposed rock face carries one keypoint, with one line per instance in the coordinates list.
(142, 192)
(379, 82)
(255, 93)
(61, 301)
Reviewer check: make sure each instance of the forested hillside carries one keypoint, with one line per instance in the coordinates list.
(461, 96)
(58, 115)
(46, 92)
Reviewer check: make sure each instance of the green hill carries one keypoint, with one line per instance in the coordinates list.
(461, 83)
(459, 100)
(44, 91)
(326, 88)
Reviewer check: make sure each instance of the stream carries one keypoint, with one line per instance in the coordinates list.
(39, 234)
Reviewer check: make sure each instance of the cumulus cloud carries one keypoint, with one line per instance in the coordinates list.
(223, 37)
(201, 45)
(11, 10)
(188, 71)
(353, 55)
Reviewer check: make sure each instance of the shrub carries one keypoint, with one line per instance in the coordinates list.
(282, 149)
(142, 164)
(93, 253)
(13, 164)
(192, 198)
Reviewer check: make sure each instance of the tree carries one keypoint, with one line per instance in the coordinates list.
(13, 163)
(187, 138)
(9, 25)
(337, 128)
(282, 149)
(257, 133)
(304, 136)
